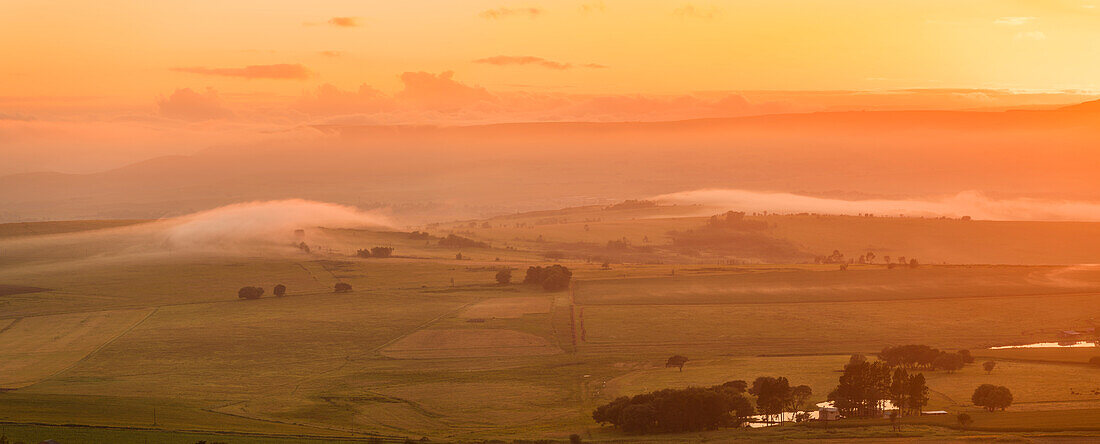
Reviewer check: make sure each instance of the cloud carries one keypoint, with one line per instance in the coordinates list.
(344, 22)
(1030, 35)
(329, 99)
(440, 99)
(277, 71)
(247, 228)
(502, 12)
(691, 11)
(260, 223)
(1014, 21)
(968, 203)
(531, 60)
(186, 104)
(439, 92)
(16, 116)
(596, 6)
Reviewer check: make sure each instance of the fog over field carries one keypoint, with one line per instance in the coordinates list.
(969, 203)
(551, 222)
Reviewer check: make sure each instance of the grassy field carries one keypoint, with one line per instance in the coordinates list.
(429, 345)
(18, 229)
(38, 347)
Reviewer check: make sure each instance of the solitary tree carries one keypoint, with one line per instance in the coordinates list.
(250, 292)
(966, 356)
(557, 278)
(799, 395)
(988, 366)
(992, 397)
(948, 361)
(279, 290)
(342, 287)
(504, 277)
(381, 252)
(676, 361)
(773, 395)
(964, 420)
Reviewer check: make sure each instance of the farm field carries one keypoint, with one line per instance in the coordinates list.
(429, 345)
(35, 348)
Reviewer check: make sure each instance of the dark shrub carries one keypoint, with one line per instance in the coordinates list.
(342, 287)
(552, 278)
(504, 276)
(250, 292)
(452, 241)
(677, 410)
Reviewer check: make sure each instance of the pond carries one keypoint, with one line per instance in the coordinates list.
(1063, 344)
(767, 421)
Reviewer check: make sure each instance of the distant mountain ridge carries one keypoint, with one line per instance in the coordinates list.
(480, 170)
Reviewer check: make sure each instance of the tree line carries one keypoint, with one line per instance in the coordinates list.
(250, 292)
(865, 385)
(678, 410)
(925, 357)
(730, 404)
(862, 391)
(551, 278)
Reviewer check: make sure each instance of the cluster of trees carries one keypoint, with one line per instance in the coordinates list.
(679, 410)
(838, 258)
(864, 385)
(735, 220)
(250, 292)
(420, 235)
(454, 241)
(504, 277)
(552, 278)
(702, 408)
(992, 397)
(375, 252)
(775, 395)
(923, 356)
(342, 287)
(1094, 361)
(257, 292)
(632, 204)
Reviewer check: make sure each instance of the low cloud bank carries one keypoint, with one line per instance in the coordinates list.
(967, 203)
(262, 223)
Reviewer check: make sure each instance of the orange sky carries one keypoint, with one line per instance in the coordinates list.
(87, 85)
(134, 50)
